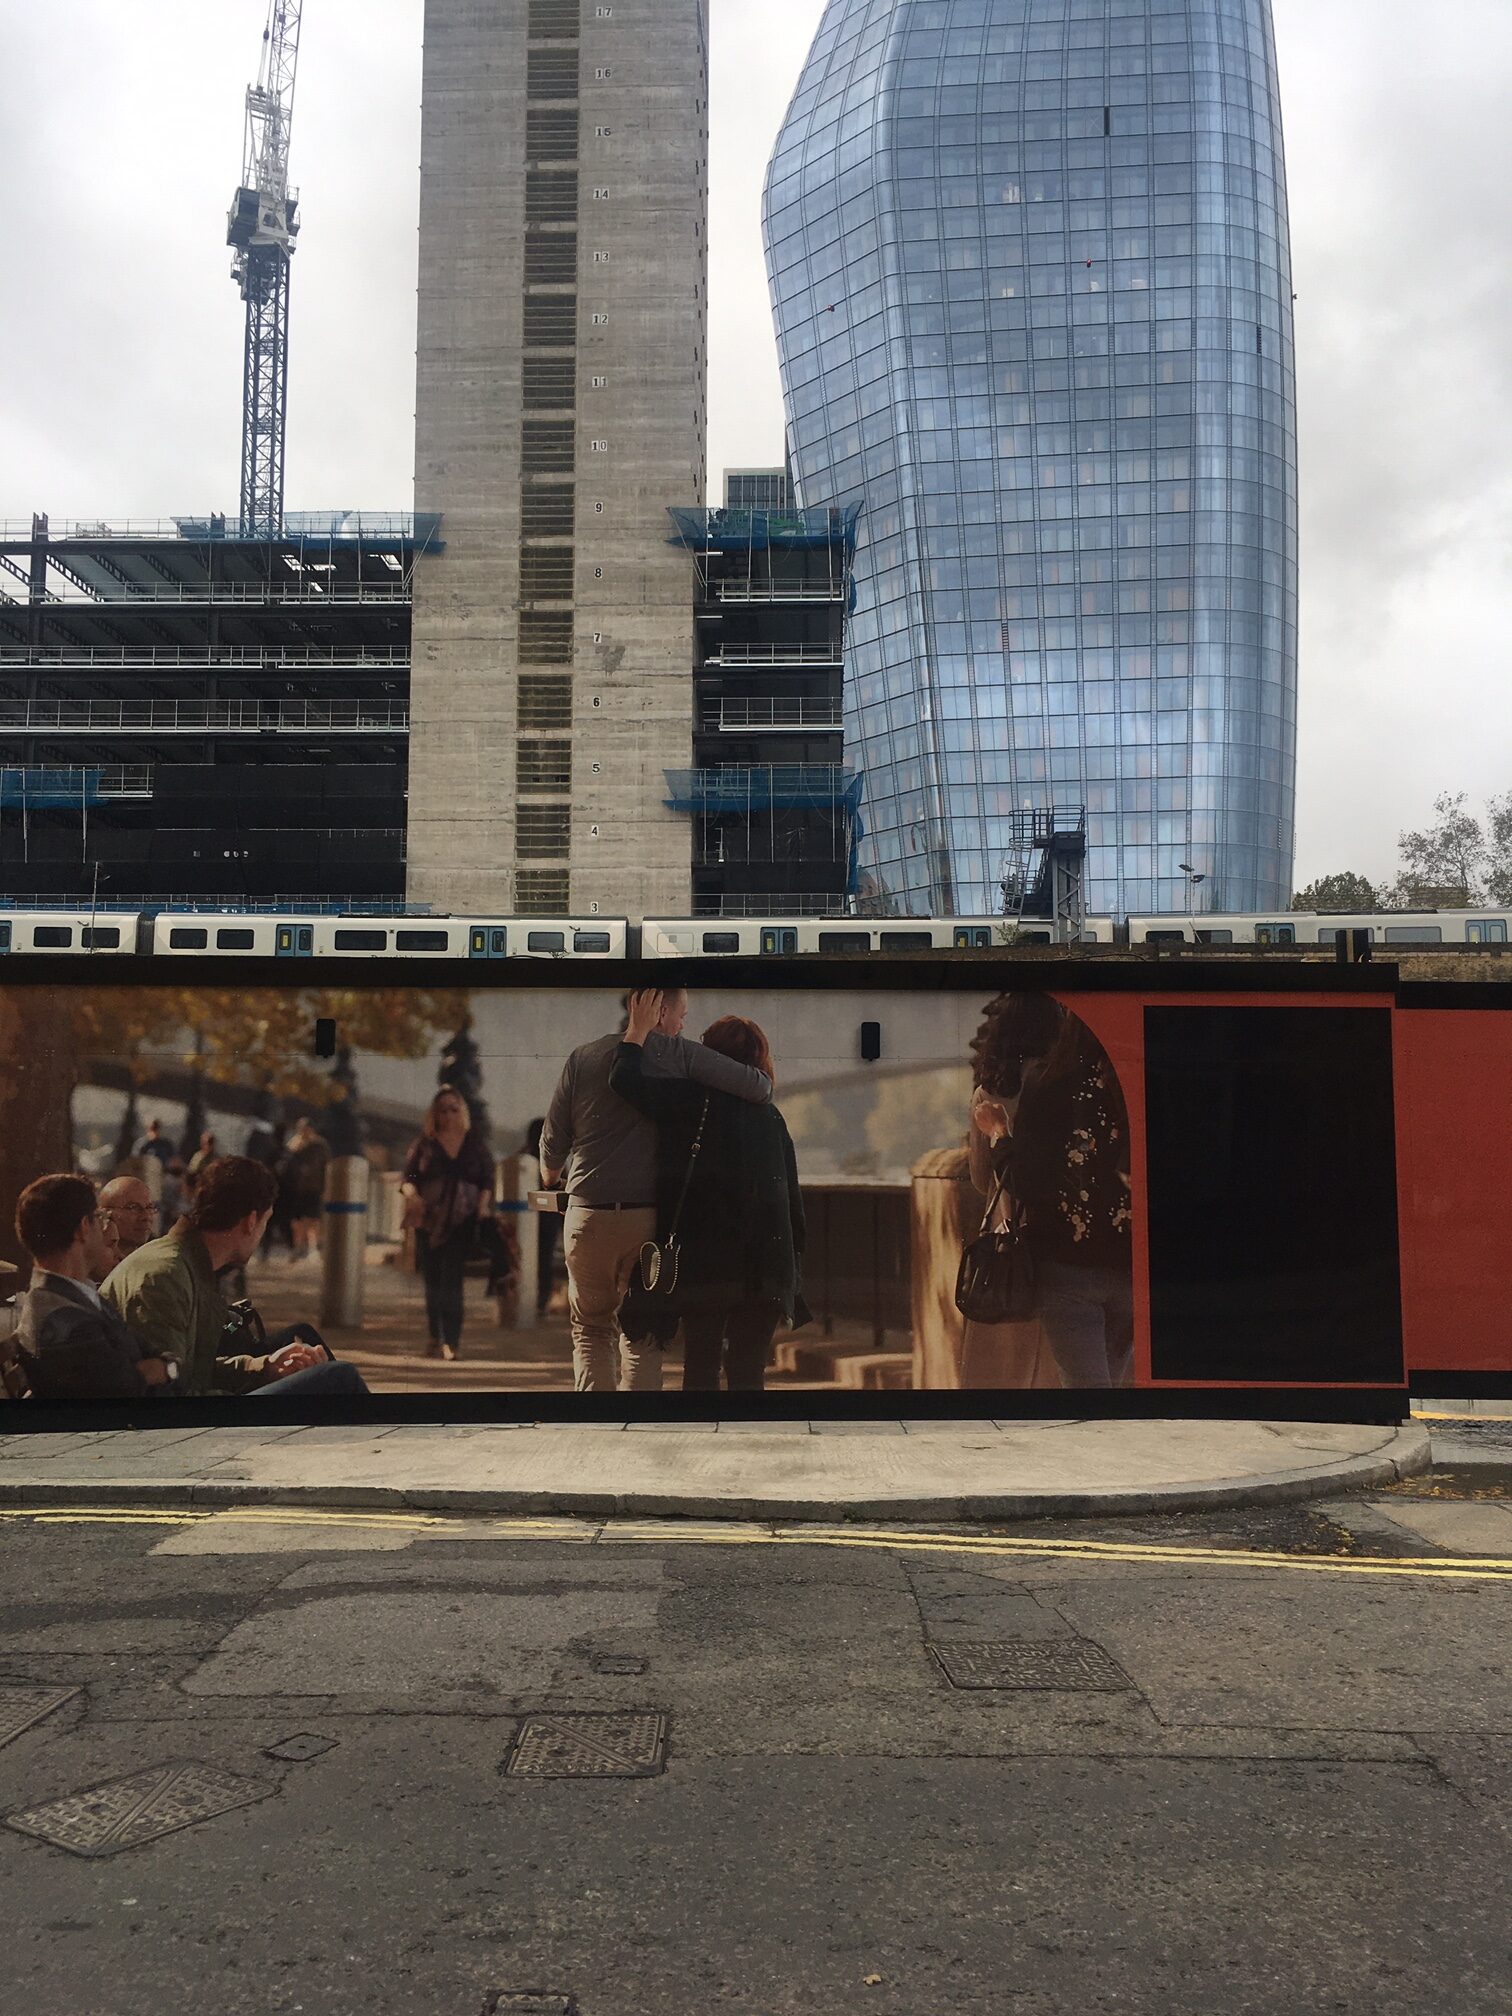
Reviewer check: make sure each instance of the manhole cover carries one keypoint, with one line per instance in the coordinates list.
(1066, 1664)
(300, 1749)
(126, 1812)
(20, 1707)
(522, 2002)
(589, 1746)
(624, 1664)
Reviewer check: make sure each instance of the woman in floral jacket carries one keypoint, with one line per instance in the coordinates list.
(447, 1188)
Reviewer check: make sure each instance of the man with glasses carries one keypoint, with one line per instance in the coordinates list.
(127, 1204)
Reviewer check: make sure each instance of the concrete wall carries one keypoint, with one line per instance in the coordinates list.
(642, 299)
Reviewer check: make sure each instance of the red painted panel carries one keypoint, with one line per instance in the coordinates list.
(1454, 1179)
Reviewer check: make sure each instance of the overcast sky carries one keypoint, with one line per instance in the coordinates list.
(120, 329)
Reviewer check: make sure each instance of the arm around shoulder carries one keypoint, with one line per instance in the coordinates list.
(718, 1073)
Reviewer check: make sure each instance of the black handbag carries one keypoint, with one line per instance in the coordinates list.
(996, 1281)
(661, 1259)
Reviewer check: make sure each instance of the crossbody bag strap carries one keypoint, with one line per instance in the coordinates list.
(688, 1179)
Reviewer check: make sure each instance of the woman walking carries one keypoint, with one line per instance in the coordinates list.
(447, 1189)
(740, 1226)
(302, 1176)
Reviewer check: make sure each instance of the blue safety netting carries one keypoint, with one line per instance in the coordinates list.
(733, 531)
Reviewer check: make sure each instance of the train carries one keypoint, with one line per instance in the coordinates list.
(226, 933)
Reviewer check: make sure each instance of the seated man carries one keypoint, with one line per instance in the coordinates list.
(127, 1203)
(167, 1293)
(71, 1346)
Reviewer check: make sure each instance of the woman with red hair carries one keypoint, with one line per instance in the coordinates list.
(740, 1228)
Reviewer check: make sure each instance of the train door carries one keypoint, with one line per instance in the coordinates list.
(295, 941)
(1478, 931)
(781, 938)
(487, 941)
(1275, 934)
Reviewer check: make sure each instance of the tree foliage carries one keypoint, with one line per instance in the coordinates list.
(1345, 892)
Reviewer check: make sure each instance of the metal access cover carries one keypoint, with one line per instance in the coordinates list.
(300, 1749)
(1069, 1665)
(20, 1707)
(623, 1664)
(589, 1746)
(523, 2002)
(126, 1812)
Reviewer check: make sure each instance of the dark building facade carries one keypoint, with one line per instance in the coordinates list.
(186, 712)
(775, 811)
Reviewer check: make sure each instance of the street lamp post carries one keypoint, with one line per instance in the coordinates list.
(1193, 879)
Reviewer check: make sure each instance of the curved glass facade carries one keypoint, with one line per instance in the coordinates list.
(1032, 281)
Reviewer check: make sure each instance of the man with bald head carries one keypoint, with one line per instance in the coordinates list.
(129, 1213)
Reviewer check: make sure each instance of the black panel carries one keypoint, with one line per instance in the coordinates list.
(1272, 1204)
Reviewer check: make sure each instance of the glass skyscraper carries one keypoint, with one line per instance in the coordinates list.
(1031, 274)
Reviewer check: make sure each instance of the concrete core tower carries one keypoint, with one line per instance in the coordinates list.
(561, 408)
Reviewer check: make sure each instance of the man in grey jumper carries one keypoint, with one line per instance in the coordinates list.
(605, 1151)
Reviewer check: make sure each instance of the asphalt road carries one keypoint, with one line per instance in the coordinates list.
(1272, 1772)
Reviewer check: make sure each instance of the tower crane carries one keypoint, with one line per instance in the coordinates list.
(263, 225)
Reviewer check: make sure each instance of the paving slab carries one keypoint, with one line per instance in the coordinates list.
(978, 1470)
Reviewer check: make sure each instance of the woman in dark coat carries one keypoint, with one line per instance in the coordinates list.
(447, 1188)
(741, 1224)
(1050, 1110)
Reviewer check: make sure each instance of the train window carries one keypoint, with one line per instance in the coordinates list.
(498, 943)
(5, 937)
(721, 941)
(1034, 938)
(421, 941)
(779, 941)
(845, 941)
(590, 941)
(1414, 934)
(1215, 937)
(1479, 931)
(362, 941)
(101, 937)
(187, 938)
(52, 937)
(1330, 934)
(1165, 938)
(1275, 934)
(905, 941)
(546, 941)
(235, 939)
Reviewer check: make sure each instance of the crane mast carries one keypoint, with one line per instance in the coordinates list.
(263, 225)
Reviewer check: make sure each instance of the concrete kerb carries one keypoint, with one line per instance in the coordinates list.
(1407, 1454)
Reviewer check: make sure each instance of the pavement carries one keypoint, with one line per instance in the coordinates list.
(821, 1470)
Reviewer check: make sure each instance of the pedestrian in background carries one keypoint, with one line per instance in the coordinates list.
(447, 1187)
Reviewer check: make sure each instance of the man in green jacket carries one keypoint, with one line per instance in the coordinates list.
(166, 1293)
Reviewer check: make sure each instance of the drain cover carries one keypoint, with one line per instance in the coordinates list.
(523, 2002)
(126, 1812)
(20, 1707)
(621, 1663)
(300, 1749)
(589, 1746)
(1070, 1665)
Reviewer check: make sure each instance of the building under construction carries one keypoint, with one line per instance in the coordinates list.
(776, 814)
(187, 711)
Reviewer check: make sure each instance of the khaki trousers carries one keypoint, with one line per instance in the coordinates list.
(602, 1248)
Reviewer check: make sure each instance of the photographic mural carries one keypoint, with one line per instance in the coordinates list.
(545, 1190)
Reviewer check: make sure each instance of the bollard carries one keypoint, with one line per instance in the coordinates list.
(518, 1175)
(344, 1253)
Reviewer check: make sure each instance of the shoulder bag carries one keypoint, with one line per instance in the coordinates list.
(996, 1280)
(661, 1259)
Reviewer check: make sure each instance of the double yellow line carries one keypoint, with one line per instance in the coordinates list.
(713, 1533)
